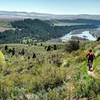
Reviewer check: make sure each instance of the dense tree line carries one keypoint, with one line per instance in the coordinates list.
(36, 29)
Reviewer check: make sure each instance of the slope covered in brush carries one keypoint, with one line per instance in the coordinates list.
(52, 74)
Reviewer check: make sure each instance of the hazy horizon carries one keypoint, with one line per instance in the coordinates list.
(45, 13)
(63, 7)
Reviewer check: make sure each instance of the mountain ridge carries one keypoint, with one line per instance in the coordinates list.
(15, 15)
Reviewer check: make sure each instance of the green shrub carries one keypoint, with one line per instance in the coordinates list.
(72, 46)
(81, 57)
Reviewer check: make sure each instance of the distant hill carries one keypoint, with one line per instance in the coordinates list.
(13, 15)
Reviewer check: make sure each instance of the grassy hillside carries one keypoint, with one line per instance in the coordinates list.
(49, 74)
(5, 25)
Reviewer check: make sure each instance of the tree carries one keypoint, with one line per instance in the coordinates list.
(6, 47)
(72, 45)
(22, 52)
(98, 39)
(49, 48)
(55, 47)
(34, 55)
(13, 51)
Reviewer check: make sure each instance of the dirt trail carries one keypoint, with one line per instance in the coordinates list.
(91, 73)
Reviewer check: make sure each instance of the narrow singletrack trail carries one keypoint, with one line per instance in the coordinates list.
(91, 73)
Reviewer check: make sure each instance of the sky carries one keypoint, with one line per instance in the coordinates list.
(52, 6)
